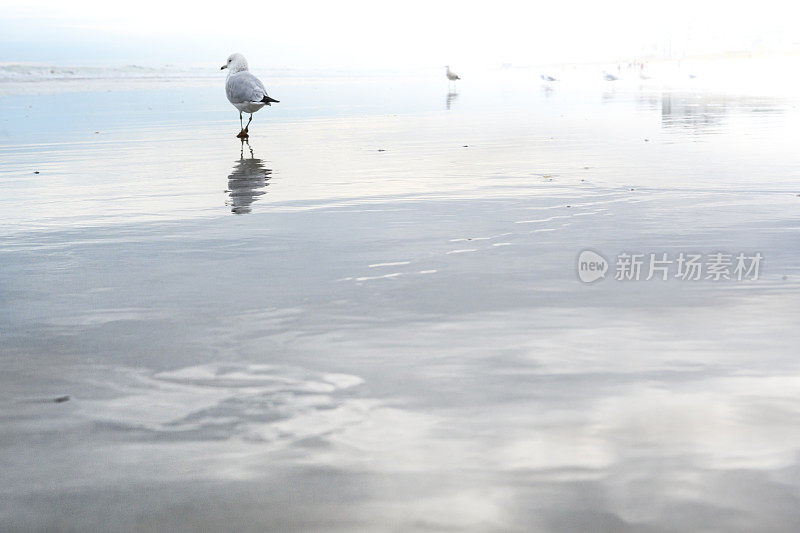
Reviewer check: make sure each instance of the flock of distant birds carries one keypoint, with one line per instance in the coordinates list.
(606, 76)
(248, 94)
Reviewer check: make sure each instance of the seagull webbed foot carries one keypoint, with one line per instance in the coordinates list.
(243, 134)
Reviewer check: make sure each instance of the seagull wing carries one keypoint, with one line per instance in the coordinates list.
(244, 87)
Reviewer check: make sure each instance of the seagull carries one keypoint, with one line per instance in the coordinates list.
(451, 76)
(245, 91)
(610, 77)
(547, 78)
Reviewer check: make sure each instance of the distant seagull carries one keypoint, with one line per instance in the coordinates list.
(548, 78)
(452, 76)
(245, 91)
(610, 77)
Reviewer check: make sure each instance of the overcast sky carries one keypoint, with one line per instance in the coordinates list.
(361, 34)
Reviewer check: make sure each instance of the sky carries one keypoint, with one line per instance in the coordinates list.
(351, 34)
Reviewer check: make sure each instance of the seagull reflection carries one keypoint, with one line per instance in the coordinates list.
(451, 96)
(247, 181)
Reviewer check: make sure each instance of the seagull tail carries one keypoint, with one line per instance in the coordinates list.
(268, 99)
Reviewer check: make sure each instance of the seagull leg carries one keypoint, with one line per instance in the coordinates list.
(243, 134)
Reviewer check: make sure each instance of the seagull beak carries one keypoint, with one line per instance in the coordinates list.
(223, 67)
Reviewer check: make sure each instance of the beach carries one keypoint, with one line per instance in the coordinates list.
(369, 316)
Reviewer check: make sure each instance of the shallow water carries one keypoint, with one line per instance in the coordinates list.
(369, 317)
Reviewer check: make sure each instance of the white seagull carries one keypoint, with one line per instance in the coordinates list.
(244, 91)
(451, 76)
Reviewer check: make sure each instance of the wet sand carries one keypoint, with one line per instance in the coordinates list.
(369, 317)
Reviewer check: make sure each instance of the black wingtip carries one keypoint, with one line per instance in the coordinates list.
(268, 99)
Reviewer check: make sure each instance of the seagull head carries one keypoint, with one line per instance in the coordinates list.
(235, 63)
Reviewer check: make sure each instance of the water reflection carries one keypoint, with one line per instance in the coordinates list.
(648, 100)
(247, 181)
(695, 112)
(451, 97)
(609, 95)
(706, 113)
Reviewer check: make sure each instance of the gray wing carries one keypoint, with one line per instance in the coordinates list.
(244, 87)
